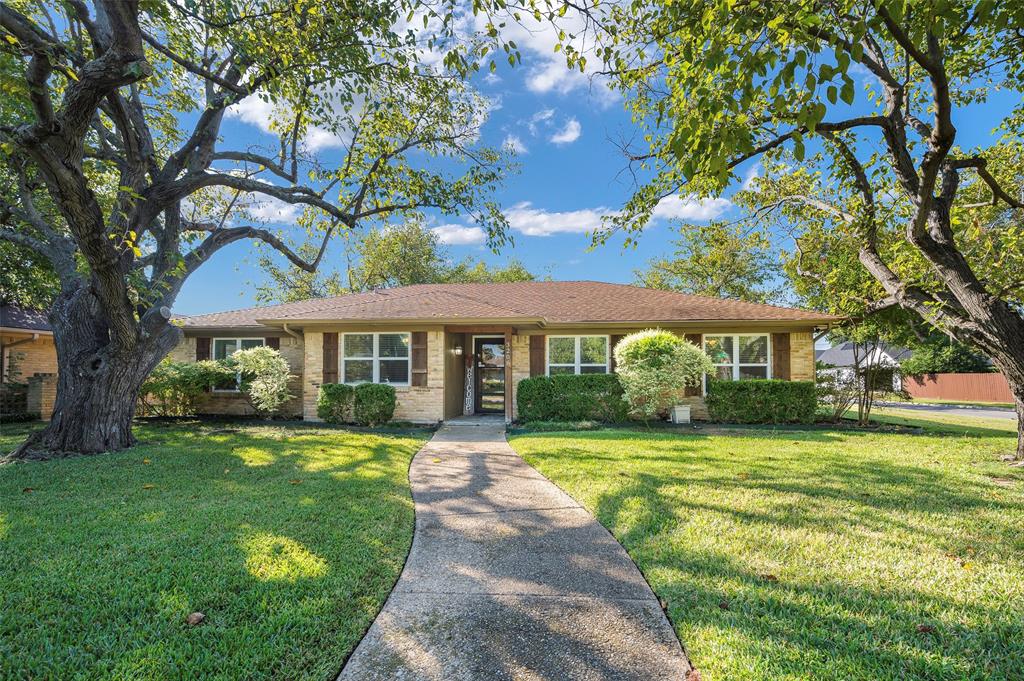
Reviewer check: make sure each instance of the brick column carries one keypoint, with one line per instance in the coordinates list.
(42, 393)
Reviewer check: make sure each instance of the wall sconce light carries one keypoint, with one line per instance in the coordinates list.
(457, 350)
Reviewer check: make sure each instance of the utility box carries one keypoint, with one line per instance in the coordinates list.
(680, 413)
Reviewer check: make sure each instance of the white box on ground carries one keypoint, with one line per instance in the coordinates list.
(681, 413)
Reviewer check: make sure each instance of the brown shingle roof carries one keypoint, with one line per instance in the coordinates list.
(545, 302)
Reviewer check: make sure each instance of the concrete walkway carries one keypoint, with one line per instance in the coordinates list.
(509, 578)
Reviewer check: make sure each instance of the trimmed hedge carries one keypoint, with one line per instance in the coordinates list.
(584, 397)
(334, 402)
(374, 404)
(762, 401)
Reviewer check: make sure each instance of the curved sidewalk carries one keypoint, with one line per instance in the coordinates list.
(509, 578)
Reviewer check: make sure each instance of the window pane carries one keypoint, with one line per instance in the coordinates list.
(394, 371)
(555, 371)
(753, 349)
(753, 372)
(602, 369)
(358, 371)
(394, 345)
(358, 345)
(249, 343)
(562, 351)
(593, 350)
(723, 373)
(719, 349)
(224, 348)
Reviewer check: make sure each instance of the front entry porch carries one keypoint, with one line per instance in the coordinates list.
(478, 373)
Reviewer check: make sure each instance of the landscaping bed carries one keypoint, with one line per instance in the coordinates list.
(287, 538)
(812, 553)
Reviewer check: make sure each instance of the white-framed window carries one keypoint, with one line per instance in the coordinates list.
(739, 356)
(376, 358)
(222, 348)
(578, 355)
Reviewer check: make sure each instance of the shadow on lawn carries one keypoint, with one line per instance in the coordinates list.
(289, 540)
(828, 626)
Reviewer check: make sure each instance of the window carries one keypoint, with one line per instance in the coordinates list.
(577, 355)
(739, 357)
(376, 358)
(224, 348)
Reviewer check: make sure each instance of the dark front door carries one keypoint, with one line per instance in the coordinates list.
(489, 355)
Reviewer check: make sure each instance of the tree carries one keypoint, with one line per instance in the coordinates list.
(26, 277)
(940, 355)
(396, 255)
(723, 260)
(720, 83)
(126, 204)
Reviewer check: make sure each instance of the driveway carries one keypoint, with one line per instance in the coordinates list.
(954, 410)
(509, 578)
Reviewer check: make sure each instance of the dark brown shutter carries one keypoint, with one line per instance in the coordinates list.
(537, 355)
(698, 340)
(273, 342)
(330, 358)
(780, 356)
(612, 342)
(419, 358)
(202, 349)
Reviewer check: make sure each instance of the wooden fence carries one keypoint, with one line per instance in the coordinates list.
(966, 387)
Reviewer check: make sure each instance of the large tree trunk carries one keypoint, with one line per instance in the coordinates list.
(97, 382)
(1013, 369)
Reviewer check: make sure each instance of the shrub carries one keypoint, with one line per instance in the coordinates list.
(334, 402)
(762, 401)
(173, 388)
(655, 367)
(374, 404)
(568, 397)
(265, 375)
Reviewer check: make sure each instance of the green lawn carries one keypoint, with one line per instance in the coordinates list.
(941, 423)
(289, 539)
(816, 554)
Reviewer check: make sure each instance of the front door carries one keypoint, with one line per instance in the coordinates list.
(489, 355)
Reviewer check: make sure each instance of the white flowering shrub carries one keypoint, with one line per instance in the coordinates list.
(655, 367)
(265, 377)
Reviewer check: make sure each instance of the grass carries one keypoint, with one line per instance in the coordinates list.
(941, 423)
(816, 554)
(288, 539)
(961, 403)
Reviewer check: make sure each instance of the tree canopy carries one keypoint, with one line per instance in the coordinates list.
(722, 260)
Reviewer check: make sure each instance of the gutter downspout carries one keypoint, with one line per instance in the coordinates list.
(290, 332)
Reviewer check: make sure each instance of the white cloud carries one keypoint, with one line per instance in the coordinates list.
(687, 208)
(272, 210)
(459, 235)
(539, 119)
(516, 144)
(255, 111)
(569, 134)
(750, 177)
(523, 217)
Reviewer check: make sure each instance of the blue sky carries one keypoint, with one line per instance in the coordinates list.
(562, 125)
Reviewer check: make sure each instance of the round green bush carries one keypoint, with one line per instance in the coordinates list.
(374, 404)
(334, 402)
(655, 367)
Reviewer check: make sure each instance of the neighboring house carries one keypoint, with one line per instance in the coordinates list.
(26, 344)
(28, 362)
(841, 359)
(455, 349)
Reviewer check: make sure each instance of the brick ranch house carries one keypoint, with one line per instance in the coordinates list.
(457, 349)
(28, 362)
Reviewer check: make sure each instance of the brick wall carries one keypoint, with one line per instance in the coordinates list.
(42, 393)
(25, 360)
(417, 404)
(520, 368)
(801, 356)
(236, 404)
